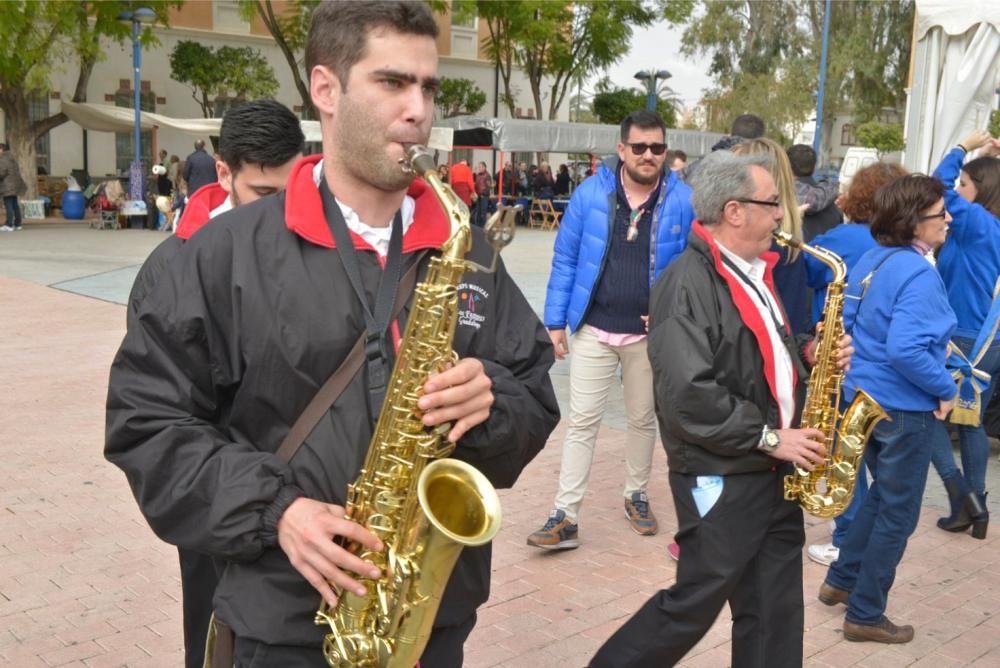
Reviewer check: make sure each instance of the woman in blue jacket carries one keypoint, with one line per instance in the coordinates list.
(896, 309)
(970, 266)
(850, 241)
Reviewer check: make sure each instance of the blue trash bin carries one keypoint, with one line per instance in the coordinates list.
(73, 205)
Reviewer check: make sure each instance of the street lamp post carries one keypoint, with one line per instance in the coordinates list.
(137, 17)
(649, 79)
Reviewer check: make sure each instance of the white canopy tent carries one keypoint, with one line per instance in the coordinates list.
(105, 118)
(954, 75)
(559, 137)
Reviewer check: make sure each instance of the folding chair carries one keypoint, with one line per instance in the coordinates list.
(543, 215)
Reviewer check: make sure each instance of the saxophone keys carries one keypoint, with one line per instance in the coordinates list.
(850, 445)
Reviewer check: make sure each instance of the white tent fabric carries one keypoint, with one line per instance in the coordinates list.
(557, 136)
(105, 118)
(956, 71)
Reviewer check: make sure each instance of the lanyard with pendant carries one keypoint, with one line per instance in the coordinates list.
(377, 319)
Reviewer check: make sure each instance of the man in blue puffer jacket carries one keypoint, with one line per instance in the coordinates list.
(622, 227)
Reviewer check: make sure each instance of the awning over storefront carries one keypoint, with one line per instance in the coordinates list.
(105, 118)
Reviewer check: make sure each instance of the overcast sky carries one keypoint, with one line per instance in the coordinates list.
(658, 48)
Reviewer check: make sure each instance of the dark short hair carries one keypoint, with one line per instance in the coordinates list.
(748, 126)
(803, 159)
(645, 120)
(4, 146)
(898, 205)
(262, 132)
(985, 173)
(673, 155)
(859, 200)
(338, 30)
(199, 144)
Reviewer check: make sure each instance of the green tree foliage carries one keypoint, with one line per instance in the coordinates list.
(227, 71)
(39, 35)
(884, 137)
(611, 104)
(553, 43)
(994, 128)
(289, 27)
(458, 97)
(765, 58)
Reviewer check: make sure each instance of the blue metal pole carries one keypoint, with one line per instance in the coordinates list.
(822, 78)
(137, 66)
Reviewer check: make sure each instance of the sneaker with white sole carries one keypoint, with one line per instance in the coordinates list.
(824, 553)
(6, 228)
(639, 515)
(557, 534)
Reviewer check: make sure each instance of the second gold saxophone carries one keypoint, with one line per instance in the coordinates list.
(423, 506)
(827, 490)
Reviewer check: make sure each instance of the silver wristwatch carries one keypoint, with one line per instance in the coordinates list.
(769, 440)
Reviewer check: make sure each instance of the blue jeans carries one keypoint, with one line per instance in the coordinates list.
(13, 210)
(972, 441)
(843, 521)
(898, 455)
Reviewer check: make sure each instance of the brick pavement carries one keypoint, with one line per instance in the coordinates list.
(84, 582)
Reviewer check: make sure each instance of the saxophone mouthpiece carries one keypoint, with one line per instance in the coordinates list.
(786, 239)
(420, 159)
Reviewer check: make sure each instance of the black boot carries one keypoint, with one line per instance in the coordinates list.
(958, 490)
(980, 515)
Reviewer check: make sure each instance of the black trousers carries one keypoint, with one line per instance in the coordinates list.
(445, 649)
(747, 550)
(199, 578)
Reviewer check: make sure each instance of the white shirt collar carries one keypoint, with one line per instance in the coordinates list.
(754, 269)
(222, 208)
(376, 237)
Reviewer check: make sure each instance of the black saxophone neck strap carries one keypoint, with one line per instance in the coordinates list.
(377, 319)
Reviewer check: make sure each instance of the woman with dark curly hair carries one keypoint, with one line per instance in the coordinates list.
(896, 309)
(970, 266)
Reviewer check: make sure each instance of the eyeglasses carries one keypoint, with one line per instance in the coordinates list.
(762, 202)
(640, 148)
(940, 214)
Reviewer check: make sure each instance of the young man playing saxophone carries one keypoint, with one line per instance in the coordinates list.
(239, 335)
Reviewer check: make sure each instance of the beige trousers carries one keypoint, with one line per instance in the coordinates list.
(593, 368)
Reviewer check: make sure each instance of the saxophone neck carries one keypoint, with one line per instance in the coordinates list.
(421, 161)
(829, 258)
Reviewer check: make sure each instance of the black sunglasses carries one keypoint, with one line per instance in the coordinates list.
(762, 202)
(941, 214)
(640, 148)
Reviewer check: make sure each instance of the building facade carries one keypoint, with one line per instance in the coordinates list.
(216, 23)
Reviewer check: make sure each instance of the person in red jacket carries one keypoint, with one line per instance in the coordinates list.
(462, 182)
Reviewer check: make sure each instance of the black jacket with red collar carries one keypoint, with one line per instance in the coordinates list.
(251, 317)
(712, 364)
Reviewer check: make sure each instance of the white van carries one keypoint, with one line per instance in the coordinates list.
(857, 157)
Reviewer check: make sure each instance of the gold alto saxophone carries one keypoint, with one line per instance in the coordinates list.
(826, 491)
(423, 506)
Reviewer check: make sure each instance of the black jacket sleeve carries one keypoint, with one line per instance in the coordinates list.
(693, 397)
(517, 357)
(197, 487)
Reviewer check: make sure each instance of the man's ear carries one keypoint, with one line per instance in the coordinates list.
(324, 89)
(225, 176)
(731, 213)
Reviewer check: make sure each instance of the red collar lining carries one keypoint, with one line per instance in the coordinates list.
(748, 310)
(304, 212)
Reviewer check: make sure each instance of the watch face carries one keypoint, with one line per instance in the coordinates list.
(771, 440)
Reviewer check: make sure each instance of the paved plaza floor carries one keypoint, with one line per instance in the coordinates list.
(84, 582)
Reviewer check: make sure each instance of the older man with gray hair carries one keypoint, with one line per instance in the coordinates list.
(729, 384)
